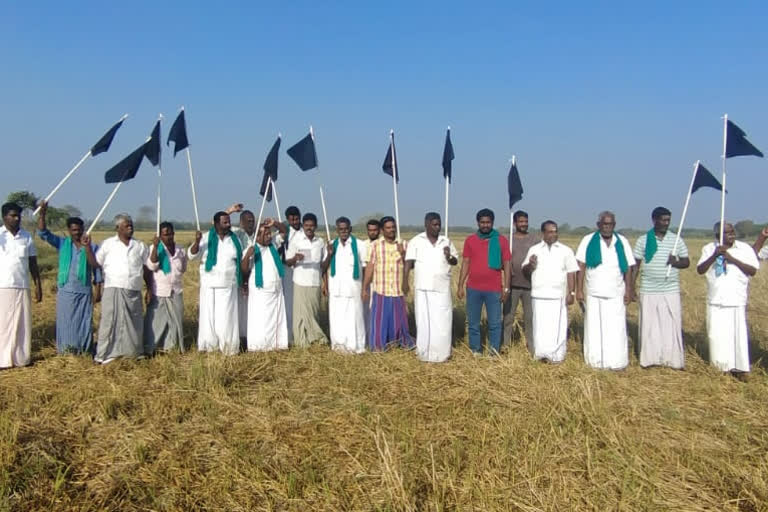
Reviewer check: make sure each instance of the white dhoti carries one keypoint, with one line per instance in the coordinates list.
(661, 330)
(218, 329)
(605, 333)
(242, 313)
(267, 325)
(434, 325)
(728, 337)
(347, 323)
(550, 329)
(288, 297)
(367, 314)
(15, 327)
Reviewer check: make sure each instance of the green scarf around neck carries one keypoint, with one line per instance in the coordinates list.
(65, 260)
(651, 245)
(213, 253)
(356, 268)
(258, 264)
(595, 256)
(494, 248)
(163, 259)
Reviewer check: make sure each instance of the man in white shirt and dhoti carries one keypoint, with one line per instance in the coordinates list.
(552, 268)
(604, 286)
(267, 323)
(728, 267)
(121, 258)
(220, 253)
(284, 240)
(344, 281)
(431, 256)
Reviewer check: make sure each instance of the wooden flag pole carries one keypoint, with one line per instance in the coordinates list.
(103, 208)
(394, 181)
(159, 179)
(513, 161)
(722, 195)
(263, 202)
(685, 211)
(322, 196)
(194, 194)
(64, 180)
(447, 189)
(277, 203)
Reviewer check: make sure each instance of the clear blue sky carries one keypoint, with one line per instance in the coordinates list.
(606, 105)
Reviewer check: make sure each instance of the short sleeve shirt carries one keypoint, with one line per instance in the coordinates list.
(307, 271)
(123, 265)
(653, 277)
(520, 247)
(15, 251)
(763, 254)
(224, 272)
(481, 276)
(553, 264)
(388, 267)
(732, 287)
(343, 283)
(605, 280)
(431, 270)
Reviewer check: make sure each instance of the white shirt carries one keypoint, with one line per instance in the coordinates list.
(15, 251)
(279, 238)
(307, 271)
(605, 280)
(730, 288)
(271, 278)
(431, 270)
(224, 272)
(553, 264)
(123, 265)
(343, 284)
(763, 254)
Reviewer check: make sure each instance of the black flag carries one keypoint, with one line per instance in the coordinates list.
(126, 168)
(390, 162)
(152, 146)
(178, 134)
(102, 146)
(304, 154)
(270, 170)
(704, 178)
(447, 156)
(514, 186)
(736, 143)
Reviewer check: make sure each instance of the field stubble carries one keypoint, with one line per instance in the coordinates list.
(312, 429)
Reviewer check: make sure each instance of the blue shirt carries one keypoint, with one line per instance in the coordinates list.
(73, 284)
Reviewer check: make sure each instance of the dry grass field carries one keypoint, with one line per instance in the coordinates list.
(314, 430)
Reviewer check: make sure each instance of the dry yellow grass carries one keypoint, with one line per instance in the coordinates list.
(315, 430)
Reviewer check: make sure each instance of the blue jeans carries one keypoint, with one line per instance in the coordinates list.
(492, 301)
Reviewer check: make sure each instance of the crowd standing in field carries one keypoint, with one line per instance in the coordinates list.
(261, 289)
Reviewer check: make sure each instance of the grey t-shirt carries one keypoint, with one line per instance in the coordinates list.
(520, 248)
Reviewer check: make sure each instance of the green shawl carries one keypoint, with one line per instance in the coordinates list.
(163, 259)
(65, 260)
(258, 264)
(595, 257)
(494, 248)
(356, 268)
(213, 253)
(651, 245)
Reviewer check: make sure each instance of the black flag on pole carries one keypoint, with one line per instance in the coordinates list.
(102, 146)
(304, 154)
(514, 185)
(152, 146)
(178, 134)
(126, 168)
(270, 170)
(448, 156)
(390, 162)
(704, 178)
(736, 143)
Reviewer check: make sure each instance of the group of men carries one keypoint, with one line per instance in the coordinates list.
(261, 288)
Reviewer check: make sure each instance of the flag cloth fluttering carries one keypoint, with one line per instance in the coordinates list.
(102, 145)
(514, 186)
(152, 146)
(304, 154)
(736, 143)
(448, 156)
(270, 170)
(388, 164)
(178, 134)
(704, 178)
(126, 168)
